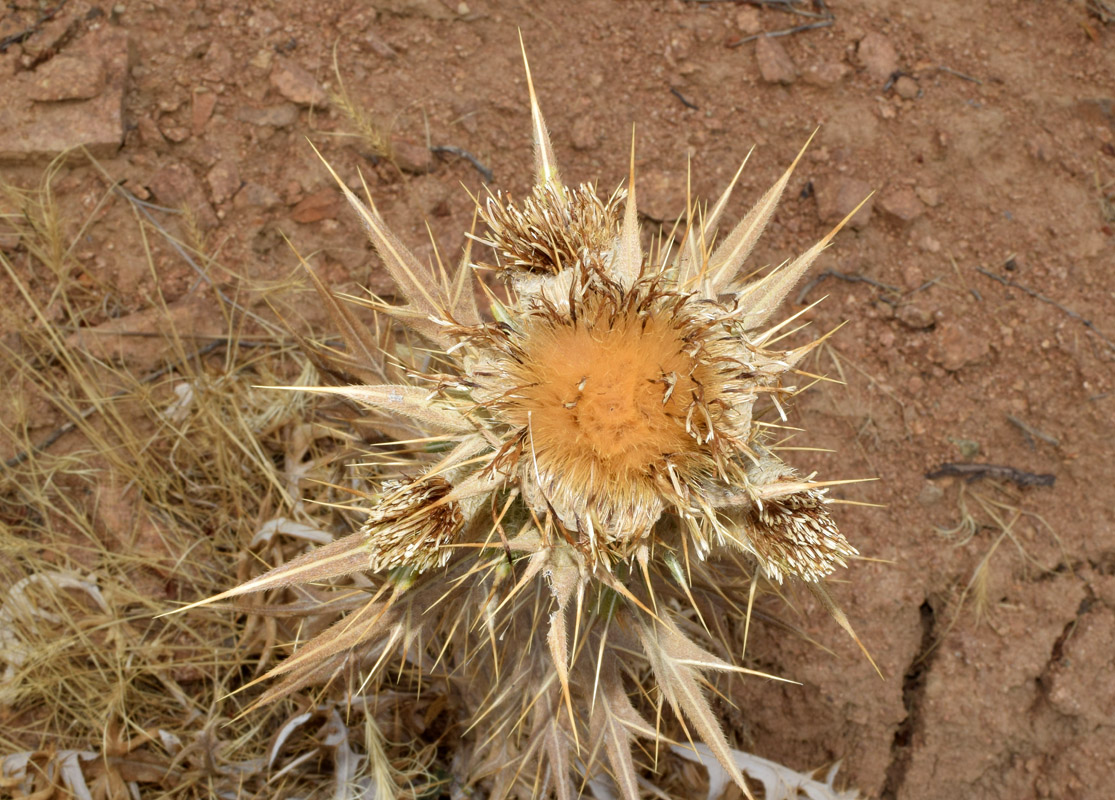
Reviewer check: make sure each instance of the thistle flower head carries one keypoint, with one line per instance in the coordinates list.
(411, 525)
(599, 439)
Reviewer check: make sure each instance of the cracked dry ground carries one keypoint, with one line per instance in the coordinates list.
(987, 131)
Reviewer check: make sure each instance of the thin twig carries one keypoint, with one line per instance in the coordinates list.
(961, 75)
(1087, 323)
(1029, 430)
(832, 273)
(790, 7)
(975, 471)
(684, 100)
(61, 431)
(928, 284)
(484, 171)
(825, 23)
(142, 208)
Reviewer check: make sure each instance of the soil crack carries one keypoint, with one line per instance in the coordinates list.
(913, 694)
(1057, 652)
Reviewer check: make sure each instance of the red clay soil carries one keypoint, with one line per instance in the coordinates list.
(975, 287)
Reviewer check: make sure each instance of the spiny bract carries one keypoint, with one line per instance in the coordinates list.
(600, 452)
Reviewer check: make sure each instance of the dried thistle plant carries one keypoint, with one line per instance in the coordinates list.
(586, 484)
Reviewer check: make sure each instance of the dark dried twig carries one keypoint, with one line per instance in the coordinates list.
(825, 23)
(790, 7)
(684, 100)
(1087, 323)
(460, 152)
(832, 273)
(893, 77)
(927, 285)
(996, 472)
(25, 34)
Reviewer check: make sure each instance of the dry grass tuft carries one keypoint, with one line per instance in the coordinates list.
(155, 489)
(1001, 515)
(373, 134)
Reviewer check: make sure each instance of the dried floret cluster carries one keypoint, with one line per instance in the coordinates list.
(591, 472)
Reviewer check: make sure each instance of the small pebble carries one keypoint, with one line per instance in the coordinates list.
(906, 88)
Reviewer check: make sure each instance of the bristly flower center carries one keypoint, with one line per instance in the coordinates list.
(609, 394)
(614, 396)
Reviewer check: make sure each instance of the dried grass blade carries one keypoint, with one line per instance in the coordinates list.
(822, 594)
(363, 351)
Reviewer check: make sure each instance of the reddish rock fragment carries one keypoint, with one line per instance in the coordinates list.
(906, 87)
(930, 195)
(429, 9)
(322, 204)
(223, 180)
(775, 64)
(67, 77)
(280, 116)
(176, 186)
(409, 156)
(296, 84)
(36, 128)
(203, 105)
(256, 196)
(836, 200)
(825, 75)
(955, 347)
(747, 20)
(902, 204)
(915, 316)
(175, 133)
